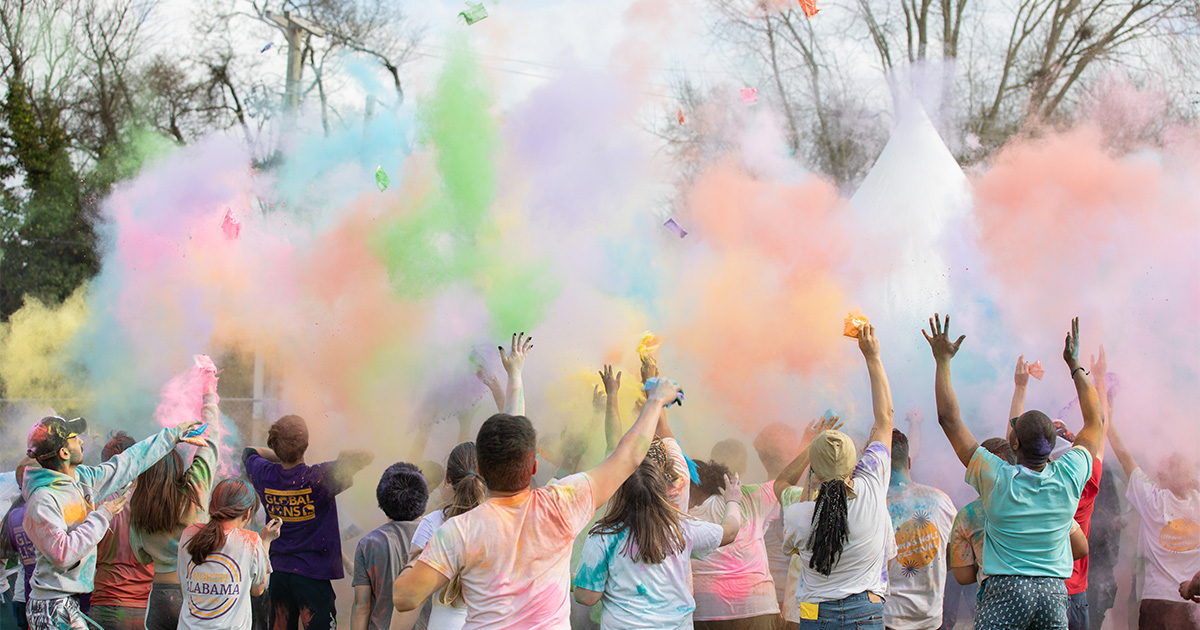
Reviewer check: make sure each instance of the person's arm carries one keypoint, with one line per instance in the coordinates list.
(732, 495)
(1020, 385)
(1191, 590)
(416, 583)
(65, 547)
(493, 385)
(1128, 463)
(268, 535)
(514, 361)
(360, 613)
(612, 411)
(631, 450)
(965, 575)
(881, 391)
(1100, 382)
(262, 452)
(1091, 436)
(790, 475)
(949, 417)
(1079, 542)
(348, 464)
(586, 597)
(121, 469)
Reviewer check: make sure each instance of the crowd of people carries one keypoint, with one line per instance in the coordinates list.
(838, 536)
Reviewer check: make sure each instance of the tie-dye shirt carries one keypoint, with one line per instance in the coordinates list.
(966, 538)
(1030, 514)
(734, 582)
(923, 517)
(513, 555)
(863, 563)
(216, 592)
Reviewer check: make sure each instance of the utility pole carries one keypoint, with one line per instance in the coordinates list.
(294, 29)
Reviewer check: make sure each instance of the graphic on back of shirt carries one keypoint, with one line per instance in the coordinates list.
(290, 506)
(214, 586)
(917, 542)
(24, 545)
(1180, 535)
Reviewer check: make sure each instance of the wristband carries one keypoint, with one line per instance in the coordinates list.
(1085, 372)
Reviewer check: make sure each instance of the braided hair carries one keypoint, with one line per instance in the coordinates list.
(831, 526)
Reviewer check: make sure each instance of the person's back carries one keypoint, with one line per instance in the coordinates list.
(922, 517)
(1169, 540)
(381, 554)
(122, 582)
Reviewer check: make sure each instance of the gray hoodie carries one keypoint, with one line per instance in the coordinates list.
(64, 523)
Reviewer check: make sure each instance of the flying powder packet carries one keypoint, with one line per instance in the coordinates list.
(205, 363)
(750, 95)
(231, 226)
(809, 7)
(474, 13)
(676, 228)
(1036, 370)
(381, 179)
(267, 47)
(681, 118)
(854, 323)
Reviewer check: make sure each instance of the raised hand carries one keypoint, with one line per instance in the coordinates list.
(664, 393)
(1071, 346)
(611, 383)
(832, 423)
(868, 343)
(514, 360)
(1021, 375)
(939, 341)
(183, 427)
(1099, 365)
(733, 489)
(599, 399)
(649, 368)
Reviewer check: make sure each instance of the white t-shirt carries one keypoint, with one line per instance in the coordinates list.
(429, 524)
(1169, 539)
(644, 596)
(513, 555)
(734, 582)
(216, 592)
(923, 518)
(863, 563)
(9, 491)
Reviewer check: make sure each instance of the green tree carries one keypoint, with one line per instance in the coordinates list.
(50, 248)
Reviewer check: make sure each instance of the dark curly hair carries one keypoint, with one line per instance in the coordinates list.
(712, 477)
(402, 492)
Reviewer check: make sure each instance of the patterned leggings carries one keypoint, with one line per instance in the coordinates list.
(55, 614)
(1016, 602)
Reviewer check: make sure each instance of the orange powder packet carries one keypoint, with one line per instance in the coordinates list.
(854, 322)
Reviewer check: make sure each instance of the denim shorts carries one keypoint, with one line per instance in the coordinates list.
(856, 612)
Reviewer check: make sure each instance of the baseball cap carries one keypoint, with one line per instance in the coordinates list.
(51, 433)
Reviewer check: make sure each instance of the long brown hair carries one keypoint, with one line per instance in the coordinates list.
(162, 496)
(231, 499)
(462, 471)
(641, 505)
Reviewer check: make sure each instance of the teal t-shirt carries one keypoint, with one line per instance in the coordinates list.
(1029, 513)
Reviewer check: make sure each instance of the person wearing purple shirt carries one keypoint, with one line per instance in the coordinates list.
(307, 557)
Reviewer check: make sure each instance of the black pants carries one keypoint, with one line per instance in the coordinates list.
(164, 605)
(301, 603)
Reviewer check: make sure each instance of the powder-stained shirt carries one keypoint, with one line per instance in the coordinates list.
(863, 563)
(24, 546)
(303, 497)
(641, 596)
(1030, 514)
(513, 555)
(161, 548)
(1169, 538)
(1078, 582)
(734, 582)
(966, 538)
(923, 517)
(377, 562)
(121, 579)
(216, 592)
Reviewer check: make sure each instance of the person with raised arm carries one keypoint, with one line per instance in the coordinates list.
(1169, 537)
(1030, 507)
(65, 517)
(636, 557)
(844, 535)
(307, 557)
(512, 553)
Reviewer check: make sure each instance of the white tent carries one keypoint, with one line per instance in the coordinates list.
(914, 190)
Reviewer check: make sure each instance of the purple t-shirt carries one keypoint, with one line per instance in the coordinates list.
(309, 543)
(21, 542)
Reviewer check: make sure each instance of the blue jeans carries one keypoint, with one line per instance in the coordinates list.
(856, 612)
(1077, 611)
